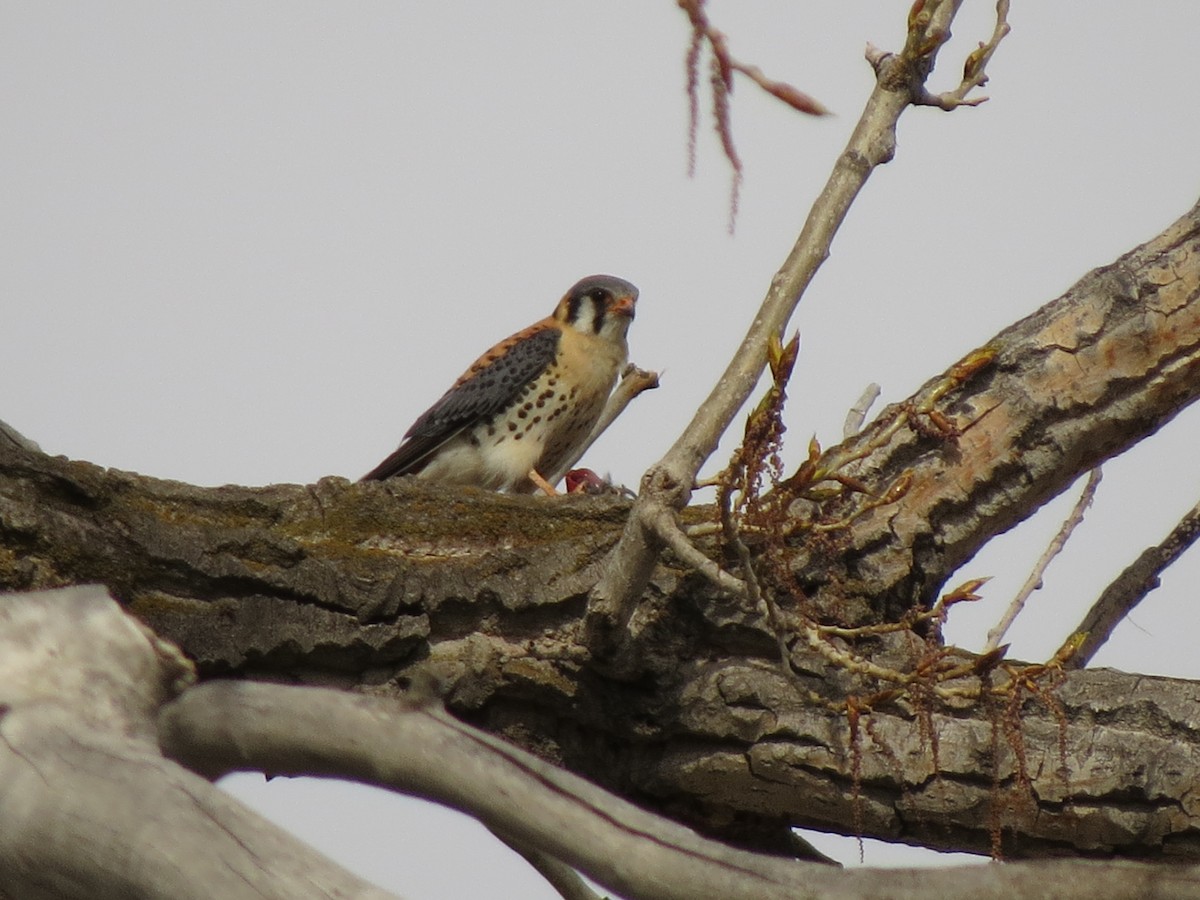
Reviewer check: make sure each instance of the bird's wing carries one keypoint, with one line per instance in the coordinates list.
(491, 383)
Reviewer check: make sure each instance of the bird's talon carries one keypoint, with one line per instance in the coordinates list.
(546, 487)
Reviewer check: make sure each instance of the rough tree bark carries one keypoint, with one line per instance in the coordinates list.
(662, 681)
(377, 587)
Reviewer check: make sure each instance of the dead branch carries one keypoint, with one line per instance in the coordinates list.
(1034, 581)
(857, 414)
(1131, 586)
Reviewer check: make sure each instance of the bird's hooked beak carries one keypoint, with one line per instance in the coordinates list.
(624, 306)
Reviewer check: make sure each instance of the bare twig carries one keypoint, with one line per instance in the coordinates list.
(634, 381)
(761, 599)
(1128, 589)
(793, 97)
(1034, 581)
(858, 412)
(974, 68)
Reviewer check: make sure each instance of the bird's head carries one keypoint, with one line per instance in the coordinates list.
(601, 305)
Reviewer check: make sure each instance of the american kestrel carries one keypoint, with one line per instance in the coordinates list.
(527, 405)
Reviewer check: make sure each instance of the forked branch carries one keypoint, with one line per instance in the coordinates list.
(668, 484)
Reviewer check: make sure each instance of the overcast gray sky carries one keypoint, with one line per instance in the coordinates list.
(250, 242)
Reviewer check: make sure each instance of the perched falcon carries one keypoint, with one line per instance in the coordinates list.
(525, 406)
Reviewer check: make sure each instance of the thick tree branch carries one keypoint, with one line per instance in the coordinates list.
(91, 809)
(419, 749)
(416, 747)
(355, 584)
(1017, 421)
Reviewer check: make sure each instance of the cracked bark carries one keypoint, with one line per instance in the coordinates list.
(375, 586)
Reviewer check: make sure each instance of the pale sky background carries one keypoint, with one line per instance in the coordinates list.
(249, 242)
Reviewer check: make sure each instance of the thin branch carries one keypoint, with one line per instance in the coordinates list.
(872, 144)
(857, 414)
(759, 598)
(1034, 581)
(1127, 589)
(675, 540)
(634, 381)
(793, 97)
(974, 69)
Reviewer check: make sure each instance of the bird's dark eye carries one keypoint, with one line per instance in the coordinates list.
(600, 295)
